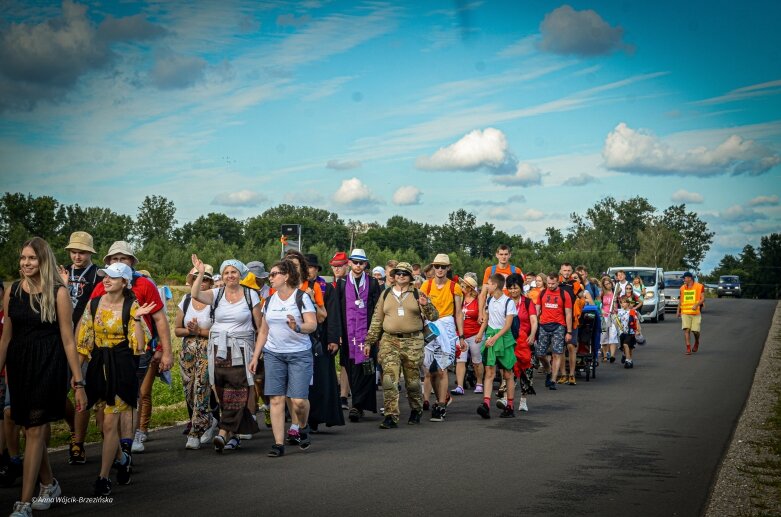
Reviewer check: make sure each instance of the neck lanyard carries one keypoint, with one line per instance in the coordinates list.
(81, 277)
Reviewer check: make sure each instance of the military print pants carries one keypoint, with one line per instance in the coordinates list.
(405, 354)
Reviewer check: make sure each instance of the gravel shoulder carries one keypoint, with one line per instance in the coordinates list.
(749, 479)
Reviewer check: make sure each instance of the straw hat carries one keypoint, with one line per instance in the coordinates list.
(441, 260)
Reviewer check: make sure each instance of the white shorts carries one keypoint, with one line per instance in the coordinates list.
(443, 349)
(609, 331)
(472, 349)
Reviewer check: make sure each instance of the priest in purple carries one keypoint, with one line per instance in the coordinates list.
(358, 294)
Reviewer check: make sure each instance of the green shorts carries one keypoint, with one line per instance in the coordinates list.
(503, 351)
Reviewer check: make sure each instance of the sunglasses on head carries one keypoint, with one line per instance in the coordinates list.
(438, 266)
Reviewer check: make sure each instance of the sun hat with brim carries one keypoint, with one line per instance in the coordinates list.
(380, 270)
(207, 274)
(258, 269)
(117, 270)
(471, 282)
(339, 259)
(120, 248)
(441, 260)
(312, 261)
(403, 266)
(81, 241)
(358, 254)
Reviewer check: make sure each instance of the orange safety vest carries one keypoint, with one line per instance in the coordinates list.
(689, 298)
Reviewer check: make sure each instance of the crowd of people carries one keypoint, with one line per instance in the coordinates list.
(261, 346)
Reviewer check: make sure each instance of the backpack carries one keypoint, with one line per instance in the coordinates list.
(429, 283)
(563, 308)
(513, 269)
(126, 304)
(506, 305)
(220, 294)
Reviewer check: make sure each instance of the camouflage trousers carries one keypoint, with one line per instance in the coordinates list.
(406, 355)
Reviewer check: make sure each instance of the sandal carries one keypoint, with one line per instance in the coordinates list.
(233, 444)
(276, 451)
(219, 443)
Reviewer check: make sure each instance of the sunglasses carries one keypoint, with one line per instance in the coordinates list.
(401, 273)
(440, 267)
(275, 273)
(359, 262)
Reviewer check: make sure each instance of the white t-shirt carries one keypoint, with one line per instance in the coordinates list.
(234, 317)
(499, 309)
(203, 316)
(281, 338)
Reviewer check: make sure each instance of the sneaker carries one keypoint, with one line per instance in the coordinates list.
(102, 487)
(507, 413)
(479, 388)
(552, 386)
(233, 444)
(522, 406)
(77, 455)
(138, 441)
(501, 403)
(345, 404)
(46, 496)
(695, 347)
(629, 364)
(22, 510)
(389, 423)
(426, 405)
(562, 380)
(244, 436)
(208, 435)
(458, 390)
(571, 380)
(414, 417)
(293, 437)
(355, 414)
(123, 471)
(438, 413)
(611, 358)
(193, 443)
(548, 380)
(276, 451)
(484, 411)
(304, 441)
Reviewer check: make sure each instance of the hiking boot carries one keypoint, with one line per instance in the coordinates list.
(484, 411)
(46, 496)
(414, 417)
(304, 442)
(389, 423)
(571, 380)
(77, 455)
(508, 412)
(102, 487)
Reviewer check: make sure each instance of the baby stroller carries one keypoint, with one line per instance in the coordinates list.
(589, 334)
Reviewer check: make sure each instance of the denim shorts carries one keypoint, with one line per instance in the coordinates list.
(288, 374)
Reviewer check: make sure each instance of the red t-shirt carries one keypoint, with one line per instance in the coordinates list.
(552, 304)
(471, 312)
(145, 292)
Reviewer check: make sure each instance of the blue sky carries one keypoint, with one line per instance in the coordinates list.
(520, 112)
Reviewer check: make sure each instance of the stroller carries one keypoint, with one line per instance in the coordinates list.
(589, 334)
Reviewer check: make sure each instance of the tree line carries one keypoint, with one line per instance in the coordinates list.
(612, 232)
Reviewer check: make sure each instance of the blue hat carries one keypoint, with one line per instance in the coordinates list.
(688, 274)
(358, 254)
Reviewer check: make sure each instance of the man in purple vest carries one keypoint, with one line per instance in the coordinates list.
(358, 293)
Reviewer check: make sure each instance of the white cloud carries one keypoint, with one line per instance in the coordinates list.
(504, 212)
(580, 180)
(339, 165)
(532, 215)
(764, 201)
(684, 196)
(407, 195)
(583, 33)
(746, 92)
(641, 152)
(740, 214)
(175, 71)
(525, 175)
(476, 149)
(240, 198)
(327, 88)
(353, 192)
(522, 47)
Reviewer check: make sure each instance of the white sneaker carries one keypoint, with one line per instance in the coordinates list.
(193, 443)
(22, 510)
(208, 435)
(522, 406)
(46, 496)
(138, 441)
(501, 403)
(244, 436)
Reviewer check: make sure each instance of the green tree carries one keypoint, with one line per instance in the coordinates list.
(105, 225)
(400, 231)
(212, 226)
(768, 274)
(317, 225)
(156, 219)
(694, 232)
(660, 246)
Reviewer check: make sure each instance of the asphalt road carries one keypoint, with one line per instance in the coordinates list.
(645, 441)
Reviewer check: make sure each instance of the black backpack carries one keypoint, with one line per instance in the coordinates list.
(126, 304)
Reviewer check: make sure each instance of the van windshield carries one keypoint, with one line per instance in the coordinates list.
(648, 277)
(729, 279)
(673, 280)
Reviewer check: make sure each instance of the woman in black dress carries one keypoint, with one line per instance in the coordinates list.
(37, 347)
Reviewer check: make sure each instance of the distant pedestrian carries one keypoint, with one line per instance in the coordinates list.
(692, 298)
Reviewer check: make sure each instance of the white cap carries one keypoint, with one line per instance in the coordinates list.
(117, 270)
(380, 270)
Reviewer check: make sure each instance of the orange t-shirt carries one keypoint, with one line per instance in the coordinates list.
(504, 271)
(577, 310)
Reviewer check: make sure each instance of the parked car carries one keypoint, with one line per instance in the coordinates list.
(653, 278)
(729, 285)
(673, 280)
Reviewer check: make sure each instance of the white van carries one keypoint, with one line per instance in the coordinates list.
(653, 280)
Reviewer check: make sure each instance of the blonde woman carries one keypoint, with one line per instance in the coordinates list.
(37, 347)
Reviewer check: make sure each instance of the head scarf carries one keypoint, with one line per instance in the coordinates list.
(237, 264)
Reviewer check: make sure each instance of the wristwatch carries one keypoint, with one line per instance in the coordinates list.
(80, 384)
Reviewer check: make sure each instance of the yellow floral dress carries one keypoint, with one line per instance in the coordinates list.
(105, 331)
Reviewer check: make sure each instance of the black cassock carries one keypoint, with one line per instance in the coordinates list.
(325, 407)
